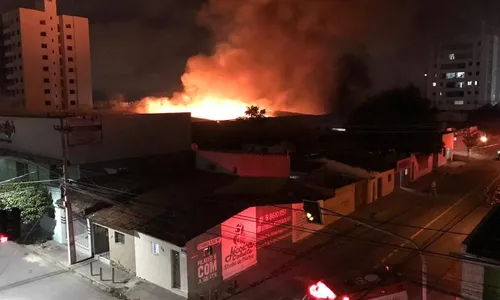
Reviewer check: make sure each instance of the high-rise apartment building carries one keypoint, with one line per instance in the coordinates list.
(44, 59)
(464, 74)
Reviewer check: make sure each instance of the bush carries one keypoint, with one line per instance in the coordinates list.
(34, 200)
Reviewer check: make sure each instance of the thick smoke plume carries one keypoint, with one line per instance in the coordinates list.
(284, 54)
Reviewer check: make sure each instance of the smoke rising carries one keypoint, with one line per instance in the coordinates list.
(286, 54)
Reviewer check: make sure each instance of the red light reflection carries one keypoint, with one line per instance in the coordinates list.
(321, 291)
(3, 239)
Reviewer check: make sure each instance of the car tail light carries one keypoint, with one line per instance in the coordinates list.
(321, 291)
(3, 239)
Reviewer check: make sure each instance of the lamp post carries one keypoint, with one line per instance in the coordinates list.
(422, 257)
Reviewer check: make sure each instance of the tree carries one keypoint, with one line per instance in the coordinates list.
(492, 195)
(399, 120)
(34, 200)
(254, 112)
(469, 138)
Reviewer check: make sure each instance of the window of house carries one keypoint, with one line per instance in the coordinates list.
(71, 70)
(47, 103)
(42, 22)
(71, 81)
(69, 37)
(46, 80)
(119, 237)
(46, 69)
(70, 48)
(70, 59)
(46, 91)
(155, 248)
(43, 33)
(72, 92)
(45, 57)
(68, 25)
(44, 46)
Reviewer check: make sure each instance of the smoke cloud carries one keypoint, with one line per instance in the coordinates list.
(287, 54)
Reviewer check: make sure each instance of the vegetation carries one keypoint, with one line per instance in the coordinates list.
(469, 138)
(492, 195)
(399, 120)
(34, 200)
(254, 112)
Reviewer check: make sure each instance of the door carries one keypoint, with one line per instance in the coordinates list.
(379, 187)
(101, 241)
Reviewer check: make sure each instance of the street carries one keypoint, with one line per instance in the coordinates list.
(25, 276)
(438, 225)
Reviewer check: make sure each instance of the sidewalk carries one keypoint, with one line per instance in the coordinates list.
(122, 285)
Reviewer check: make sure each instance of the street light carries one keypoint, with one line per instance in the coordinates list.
(483, 139)
(422, 257)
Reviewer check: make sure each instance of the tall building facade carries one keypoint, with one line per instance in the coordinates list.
(464, 74)
(45, 60)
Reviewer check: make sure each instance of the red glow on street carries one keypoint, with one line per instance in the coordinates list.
(321, 291)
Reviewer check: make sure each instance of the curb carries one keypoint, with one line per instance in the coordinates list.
(97, 283)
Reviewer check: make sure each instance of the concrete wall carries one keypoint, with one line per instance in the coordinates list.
(343, 203)
(422, 165)
(122, 255)
(244, 164)
(156, 268)
(387, 182)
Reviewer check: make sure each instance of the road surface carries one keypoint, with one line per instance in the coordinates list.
(25, 276)
(437, 224)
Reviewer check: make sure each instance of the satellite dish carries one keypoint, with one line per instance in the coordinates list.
(194, 147)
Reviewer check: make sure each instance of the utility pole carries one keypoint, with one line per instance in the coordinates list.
(70, 234)
(407, 240)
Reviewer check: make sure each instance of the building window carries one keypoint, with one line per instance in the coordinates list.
(71, 81)
(71, 70)
(46, 80)
(459, 102)
(433, 84)
(46, 91)
(478, 63)
(46, 69)
(175, 262)
(155, 248)
(475, 82)
(43, 33)
(45, 57)
(208, 251)
(68, 25)
(70, 48)
(451, 56)
(44, 46)
(42, 22)
(469, 83)
(72, 92)
(477, 73)
(47, 103)
(72, 102)
(119, 237)
(70, 59)
(69, 37)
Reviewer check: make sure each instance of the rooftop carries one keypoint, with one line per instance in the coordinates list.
(484, 240)
(187, 207)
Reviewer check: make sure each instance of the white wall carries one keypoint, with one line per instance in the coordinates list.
(34, 136)
(156, 268)
(122, 254)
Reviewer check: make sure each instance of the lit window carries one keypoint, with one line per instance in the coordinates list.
(475, 82)
(451, 75)
(433, 84)
(460, 84)
(459, 102)
(155, 248)
(460, 74)
(440, 93)
(469, 83)
(451, 56)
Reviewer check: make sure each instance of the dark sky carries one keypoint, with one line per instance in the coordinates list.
(140, 48)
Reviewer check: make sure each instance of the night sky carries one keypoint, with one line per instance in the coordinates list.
(139, 48)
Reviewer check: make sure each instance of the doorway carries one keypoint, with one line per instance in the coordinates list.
(101, 241)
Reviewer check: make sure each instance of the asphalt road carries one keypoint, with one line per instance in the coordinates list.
(438, 225)
(25, 276)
